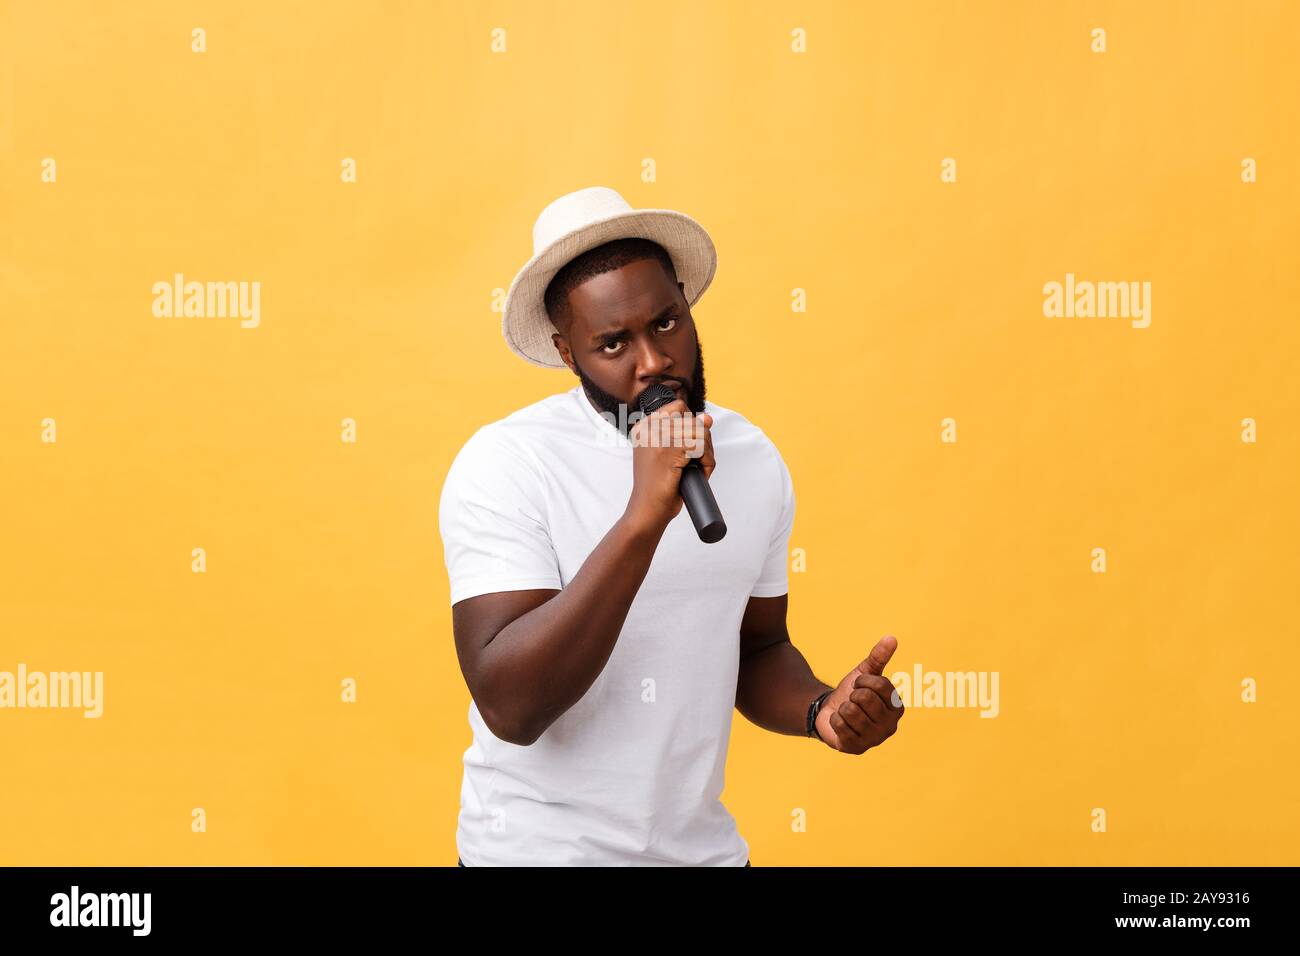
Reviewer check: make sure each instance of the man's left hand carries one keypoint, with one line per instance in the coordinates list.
(864, 710)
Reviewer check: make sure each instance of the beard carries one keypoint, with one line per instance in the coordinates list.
(605, 402)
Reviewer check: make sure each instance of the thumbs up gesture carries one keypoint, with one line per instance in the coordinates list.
(864, 709)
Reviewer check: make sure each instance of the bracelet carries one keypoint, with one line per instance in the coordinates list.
(813, 709)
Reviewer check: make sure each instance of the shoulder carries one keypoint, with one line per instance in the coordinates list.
(512, 438)
(737, 438)
(734, 431)
(503, 460)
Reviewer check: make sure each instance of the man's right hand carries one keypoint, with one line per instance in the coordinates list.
(678, 437)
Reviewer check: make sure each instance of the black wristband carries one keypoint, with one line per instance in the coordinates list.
(813, 708)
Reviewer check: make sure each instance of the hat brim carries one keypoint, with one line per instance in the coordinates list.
(524, 323)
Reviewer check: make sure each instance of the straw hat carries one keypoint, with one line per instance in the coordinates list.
(582, 220)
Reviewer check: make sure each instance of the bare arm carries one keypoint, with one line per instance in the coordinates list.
(528, 656)
(775, 684)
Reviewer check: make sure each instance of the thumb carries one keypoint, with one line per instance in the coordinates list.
(879, 656)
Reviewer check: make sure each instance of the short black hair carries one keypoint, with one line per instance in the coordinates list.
(604, 258)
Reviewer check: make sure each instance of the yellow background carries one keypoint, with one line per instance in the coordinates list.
(817, 171)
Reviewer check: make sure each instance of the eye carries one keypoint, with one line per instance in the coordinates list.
(608, 344)
(670, 319)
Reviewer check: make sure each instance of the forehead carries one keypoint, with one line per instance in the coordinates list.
(625, 297)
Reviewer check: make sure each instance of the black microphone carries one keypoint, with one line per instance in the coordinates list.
(694, 487)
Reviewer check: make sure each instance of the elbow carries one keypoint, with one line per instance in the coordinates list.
(525, 740)
(509, 728)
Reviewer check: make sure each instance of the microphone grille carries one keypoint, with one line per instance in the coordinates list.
(653, 397)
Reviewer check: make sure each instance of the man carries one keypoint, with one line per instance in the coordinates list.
(603, 643)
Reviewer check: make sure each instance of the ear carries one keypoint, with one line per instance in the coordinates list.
(563, 348)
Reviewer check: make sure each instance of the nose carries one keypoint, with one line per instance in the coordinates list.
(652, 362)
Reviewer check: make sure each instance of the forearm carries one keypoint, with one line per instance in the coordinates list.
(774, 687)
(542, 663)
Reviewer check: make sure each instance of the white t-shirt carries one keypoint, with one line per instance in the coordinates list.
(632, 773)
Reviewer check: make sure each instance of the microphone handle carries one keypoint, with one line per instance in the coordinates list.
(700, 503)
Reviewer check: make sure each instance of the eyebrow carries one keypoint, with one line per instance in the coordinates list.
(605, 338)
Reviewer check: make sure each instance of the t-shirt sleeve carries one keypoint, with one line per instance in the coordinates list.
(493, 521)
(773, 580)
